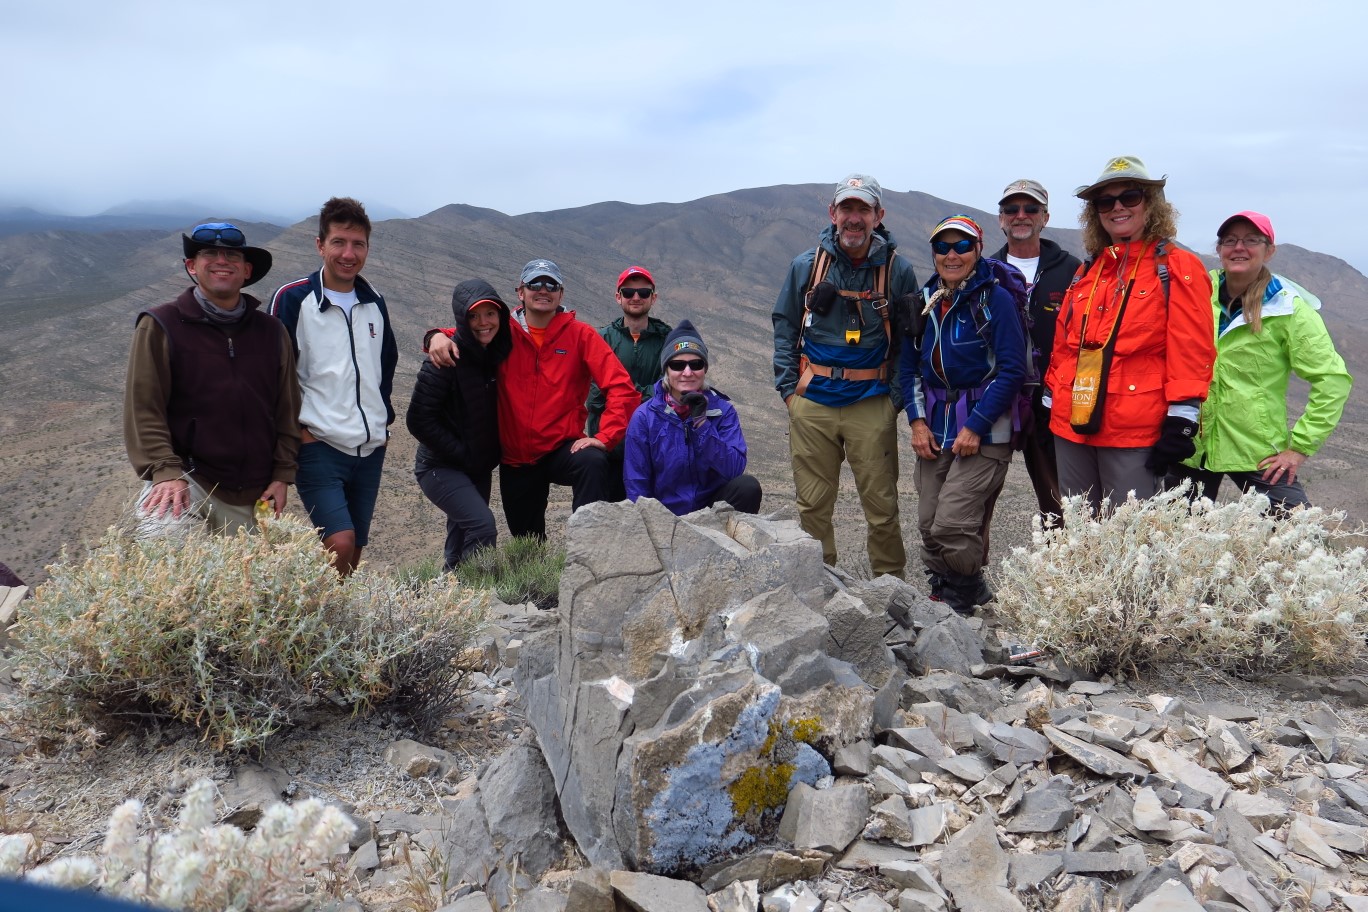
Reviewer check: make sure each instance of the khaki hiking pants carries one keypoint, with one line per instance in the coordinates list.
(952, 495)
(865, 435)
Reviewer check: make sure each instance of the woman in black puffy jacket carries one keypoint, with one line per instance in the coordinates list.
(454, 416)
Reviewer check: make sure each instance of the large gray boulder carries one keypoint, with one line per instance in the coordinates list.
(700, 668)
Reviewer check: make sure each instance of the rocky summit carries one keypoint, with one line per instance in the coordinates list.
(723, 723)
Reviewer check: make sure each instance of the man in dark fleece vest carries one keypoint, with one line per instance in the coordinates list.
(1023, 213)
(211, 402)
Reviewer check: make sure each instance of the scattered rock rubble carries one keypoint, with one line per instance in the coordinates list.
(719, 723)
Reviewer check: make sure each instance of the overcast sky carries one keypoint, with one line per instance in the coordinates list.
(274, 106)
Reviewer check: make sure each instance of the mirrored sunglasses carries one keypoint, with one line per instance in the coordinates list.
(962, 246)
(210, 232)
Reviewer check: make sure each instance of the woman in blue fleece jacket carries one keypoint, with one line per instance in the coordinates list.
(959, 384)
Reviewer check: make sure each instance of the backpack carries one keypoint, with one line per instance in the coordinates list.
(1010, 279)
(878, 296)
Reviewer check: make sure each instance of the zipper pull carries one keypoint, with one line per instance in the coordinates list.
(231, 354)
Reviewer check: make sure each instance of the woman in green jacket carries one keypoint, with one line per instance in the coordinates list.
(1266, 329)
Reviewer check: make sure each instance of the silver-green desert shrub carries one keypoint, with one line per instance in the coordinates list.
(237, 636)
(1224, 585)
(197, 865)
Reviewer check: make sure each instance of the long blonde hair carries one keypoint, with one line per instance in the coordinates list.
(1161, 221)
(1252, 298)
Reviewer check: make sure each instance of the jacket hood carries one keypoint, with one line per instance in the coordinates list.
(463, 297)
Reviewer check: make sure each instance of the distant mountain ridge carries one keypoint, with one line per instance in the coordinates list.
(68, 301)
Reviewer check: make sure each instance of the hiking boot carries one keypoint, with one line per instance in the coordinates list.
(937, 584)
(965, 593)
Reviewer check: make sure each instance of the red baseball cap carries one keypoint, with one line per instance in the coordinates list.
(1257, 219)
(632, 272)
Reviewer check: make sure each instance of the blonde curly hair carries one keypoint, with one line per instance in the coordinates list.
(1161, 218)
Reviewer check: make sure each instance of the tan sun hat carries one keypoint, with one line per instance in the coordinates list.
(1121, 168)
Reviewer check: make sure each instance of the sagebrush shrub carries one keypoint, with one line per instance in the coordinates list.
(198, 866)
(235, 635)
(1159, 581)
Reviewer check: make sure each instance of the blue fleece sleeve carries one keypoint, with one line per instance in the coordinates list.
(719, 448)
(910, 378)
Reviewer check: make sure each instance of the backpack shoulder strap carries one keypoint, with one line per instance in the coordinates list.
(1161, 261)
(821, 264)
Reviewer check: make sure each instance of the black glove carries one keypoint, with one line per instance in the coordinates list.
(1175, 444)
(697, 403)
(820, 299)
(908, 308)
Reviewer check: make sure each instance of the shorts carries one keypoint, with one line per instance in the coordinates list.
(339, 489)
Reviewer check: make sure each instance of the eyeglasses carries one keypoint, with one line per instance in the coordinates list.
(629, 293)
(1130, 199)
(218, 231)
(544, 284)
(1013, 209)
(680, 367)
(962, 246)
(1230, 243)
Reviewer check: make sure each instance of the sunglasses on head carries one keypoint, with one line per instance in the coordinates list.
(218, 231)
(679, 366)
(1129, 199)
(629, 293)
(1014, 208)
(546, 284)
(962, 246)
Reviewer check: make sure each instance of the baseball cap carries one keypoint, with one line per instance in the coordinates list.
(1257, 219)
(861, 185)
(962, 223)
(1026, 187)
(633, 272)
(537, 268)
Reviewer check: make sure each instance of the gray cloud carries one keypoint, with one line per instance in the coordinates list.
(534, 106)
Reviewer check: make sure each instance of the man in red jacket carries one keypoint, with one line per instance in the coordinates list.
(543, 385)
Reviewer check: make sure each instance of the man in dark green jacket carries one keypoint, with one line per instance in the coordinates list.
(637, 338)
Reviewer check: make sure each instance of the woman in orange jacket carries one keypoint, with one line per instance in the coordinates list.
(1134, 347)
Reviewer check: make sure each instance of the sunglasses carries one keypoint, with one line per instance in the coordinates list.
(962, 246)
(1029, 208)
(218, 231)
(680, 367)
(629, 293)
(1130, 199)
(544, 284)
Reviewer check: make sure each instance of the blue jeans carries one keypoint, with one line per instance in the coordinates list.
(339, 489)
(464, 498)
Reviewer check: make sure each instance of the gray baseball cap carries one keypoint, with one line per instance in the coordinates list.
(1026, 187)
(861, 185)
(538, 268)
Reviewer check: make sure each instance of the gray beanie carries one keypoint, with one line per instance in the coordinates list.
(683, 339)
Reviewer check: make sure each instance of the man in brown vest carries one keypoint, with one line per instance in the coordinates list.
(211, 401)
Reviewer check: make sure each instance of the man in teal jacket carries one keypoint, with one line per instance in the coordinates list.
(835, 337)
(637, 338)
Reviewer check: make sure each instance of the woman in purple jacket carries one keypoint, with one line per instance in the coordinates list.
(684, 445)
